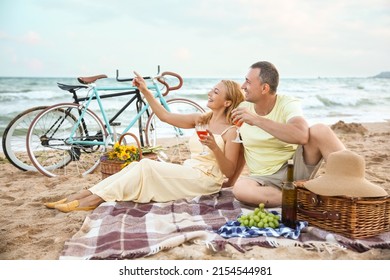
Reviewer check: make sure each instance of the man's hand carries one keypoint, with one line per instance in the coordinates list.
(242, 114)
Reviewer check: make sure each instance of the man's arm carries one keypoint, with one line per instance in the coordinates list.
(295, 131)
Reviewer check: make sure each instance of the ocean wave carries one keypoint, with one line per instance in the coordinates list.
(325, 99)
(365, 102)
(327, 102)
(7, 91)
(8, 98)
(320, 101)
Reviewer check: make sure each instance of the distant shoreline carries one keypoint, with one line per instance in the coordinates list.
(384, 75)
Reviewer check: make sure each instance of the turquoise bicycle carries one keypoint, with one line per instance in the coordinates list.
(70, 138)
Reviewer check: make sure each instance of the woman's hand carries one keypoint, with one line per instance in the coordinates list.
(140, 83)
(209, 141)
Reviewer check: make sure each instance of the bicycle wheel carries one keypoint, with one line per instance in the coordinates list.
(142, 123)
(49, 146)
(173, 139)
(14, 139)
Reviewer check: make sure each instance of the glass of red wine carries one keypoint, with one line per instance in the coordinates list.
(238, 124)
(201, 130)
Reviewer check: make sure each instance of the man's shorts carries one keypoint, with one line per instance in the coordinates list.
(302, 171)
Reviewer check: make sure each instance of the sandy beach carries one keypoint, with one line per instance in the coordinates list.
(29, 231)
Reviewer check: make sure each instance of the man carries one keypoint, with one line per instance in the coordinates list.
(273, 131)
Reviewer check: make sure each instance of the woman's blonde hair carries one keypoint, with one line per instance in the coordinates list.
(233, 94)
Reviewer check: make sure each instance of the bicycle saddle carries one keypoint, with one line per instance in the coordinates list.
(69, 87)
(89, 80)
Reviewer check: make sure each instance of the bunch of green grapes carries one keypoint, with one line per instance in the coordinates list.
(260, 218)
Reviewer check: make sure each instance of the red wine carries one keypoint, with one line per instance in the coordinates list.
(202, 133)
(238, 123)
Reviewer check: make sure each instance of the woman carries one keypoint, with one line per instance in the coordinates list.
(149, 180)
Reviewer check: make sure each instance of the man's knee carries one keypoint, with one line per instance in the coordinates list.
(322, 135)
(243, 189)
(318, 131)
(238, 189)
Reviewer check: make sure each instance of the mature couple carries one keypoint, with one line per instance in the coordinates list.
(273, 131)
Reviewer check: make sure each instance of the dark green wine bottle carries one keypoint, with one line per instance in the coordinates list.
(289, 198)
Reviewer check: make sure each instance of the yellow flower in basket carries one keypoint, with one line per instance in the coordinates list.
(124, 153)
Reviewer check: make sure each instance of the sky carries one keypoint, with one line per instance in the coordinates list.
(202, 38)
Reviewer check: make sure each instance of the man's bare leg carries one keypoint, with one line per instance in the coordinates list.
(250, 192)
(322, 142)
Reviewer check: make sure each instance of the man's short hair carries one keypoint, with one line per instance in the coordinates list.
(268, 74)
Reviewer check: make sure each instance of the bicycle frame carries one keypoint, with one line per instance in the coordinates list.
(95, 95)
(70, 138)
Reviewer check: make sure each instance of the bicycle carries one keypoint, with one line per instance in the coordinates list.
(69, 138)
(14, 139)
(14, 136)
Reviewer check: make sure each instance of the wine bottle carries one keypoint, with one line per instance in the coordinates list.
(289, 198)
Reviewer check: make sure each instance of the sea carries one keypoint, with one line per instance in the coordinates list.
(324, 100)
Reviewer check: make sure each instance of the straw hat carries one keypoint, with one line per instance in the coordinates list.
(344, 175)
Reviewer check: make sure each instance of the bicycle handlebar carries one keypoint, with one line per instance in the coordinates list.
(128, 79)
(160, 79)
(169, 88)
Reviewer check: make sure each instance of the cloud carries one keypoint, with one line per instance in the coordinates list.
(182, 54)
(219, 35)
(3, 35)
(35, 65)
(9, 54)
(29, 38)
(32, 38)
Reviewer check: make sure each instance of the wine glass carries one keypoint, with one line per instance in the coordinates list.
(201, 130)
(238, 124)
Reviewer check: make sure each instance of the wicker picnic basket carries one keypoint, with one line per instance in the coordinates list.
(348, 216)
(109, 167)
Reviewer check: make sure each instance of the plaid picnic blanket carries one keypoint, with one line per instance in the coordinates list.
(128, 230)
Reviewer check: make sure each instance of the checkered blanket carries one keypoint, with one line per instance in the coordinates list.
(128, 230)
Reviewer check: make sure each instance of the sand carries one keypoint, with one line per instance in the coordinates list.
(29, 231)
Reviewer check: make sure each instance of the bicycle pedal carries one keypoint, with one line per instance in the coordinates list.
(115, 124)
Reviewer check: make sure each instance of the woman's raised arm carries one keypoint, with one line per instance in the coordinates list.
(179, 120)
